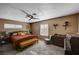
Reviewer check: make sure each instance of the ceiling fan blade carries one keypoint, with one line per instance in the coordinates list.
(32, 18)
(29, 19)
(25, 16)
(24, 11)
(35, 18)
(34, 14)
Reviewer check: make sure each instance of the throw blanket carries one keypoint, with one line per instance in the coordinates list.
(67, 45)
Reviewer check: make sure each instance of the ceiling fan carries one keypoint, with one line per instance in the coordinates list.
(30, 16)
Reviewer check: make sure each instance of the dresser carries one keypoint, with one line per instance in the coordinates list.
(58, 40)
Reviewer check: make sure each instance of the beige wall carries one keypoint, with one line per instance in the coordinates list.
(3, 21)
(78, 22)
(72, 28)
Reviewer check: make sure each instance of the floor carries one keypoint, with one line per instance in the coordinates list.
(39, 48)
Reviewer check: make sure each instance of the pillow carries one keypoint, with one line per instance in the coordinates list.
(26, 33)
(19, 33)
(14, 34)
(23, 33)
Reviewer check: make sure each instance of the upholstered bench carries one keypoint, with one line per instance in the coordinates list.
(23, 44)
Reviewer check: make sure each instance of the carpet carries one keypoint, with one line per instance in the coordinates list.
(39, 48)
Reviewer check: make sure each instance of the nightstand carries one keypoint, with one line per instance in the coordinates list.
(3, 40)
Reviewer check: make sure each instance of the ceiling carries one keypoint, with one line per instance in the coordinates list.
(44, 11)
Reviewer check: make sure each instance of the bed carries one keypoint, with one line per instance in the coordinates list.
(22, 41)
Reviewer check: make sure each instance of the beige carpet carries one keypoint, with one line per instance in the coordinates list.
(39, 48)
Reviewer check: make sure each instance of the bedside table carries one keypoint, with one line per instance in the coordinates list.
(3, 40)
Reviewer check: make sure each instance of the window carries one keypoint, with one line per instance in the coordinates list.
(12, 26)
(44, 29)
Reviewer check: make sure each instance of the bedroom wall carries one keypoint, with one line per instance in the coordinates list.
(72, 28)
(4, 21)
(78, 22)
